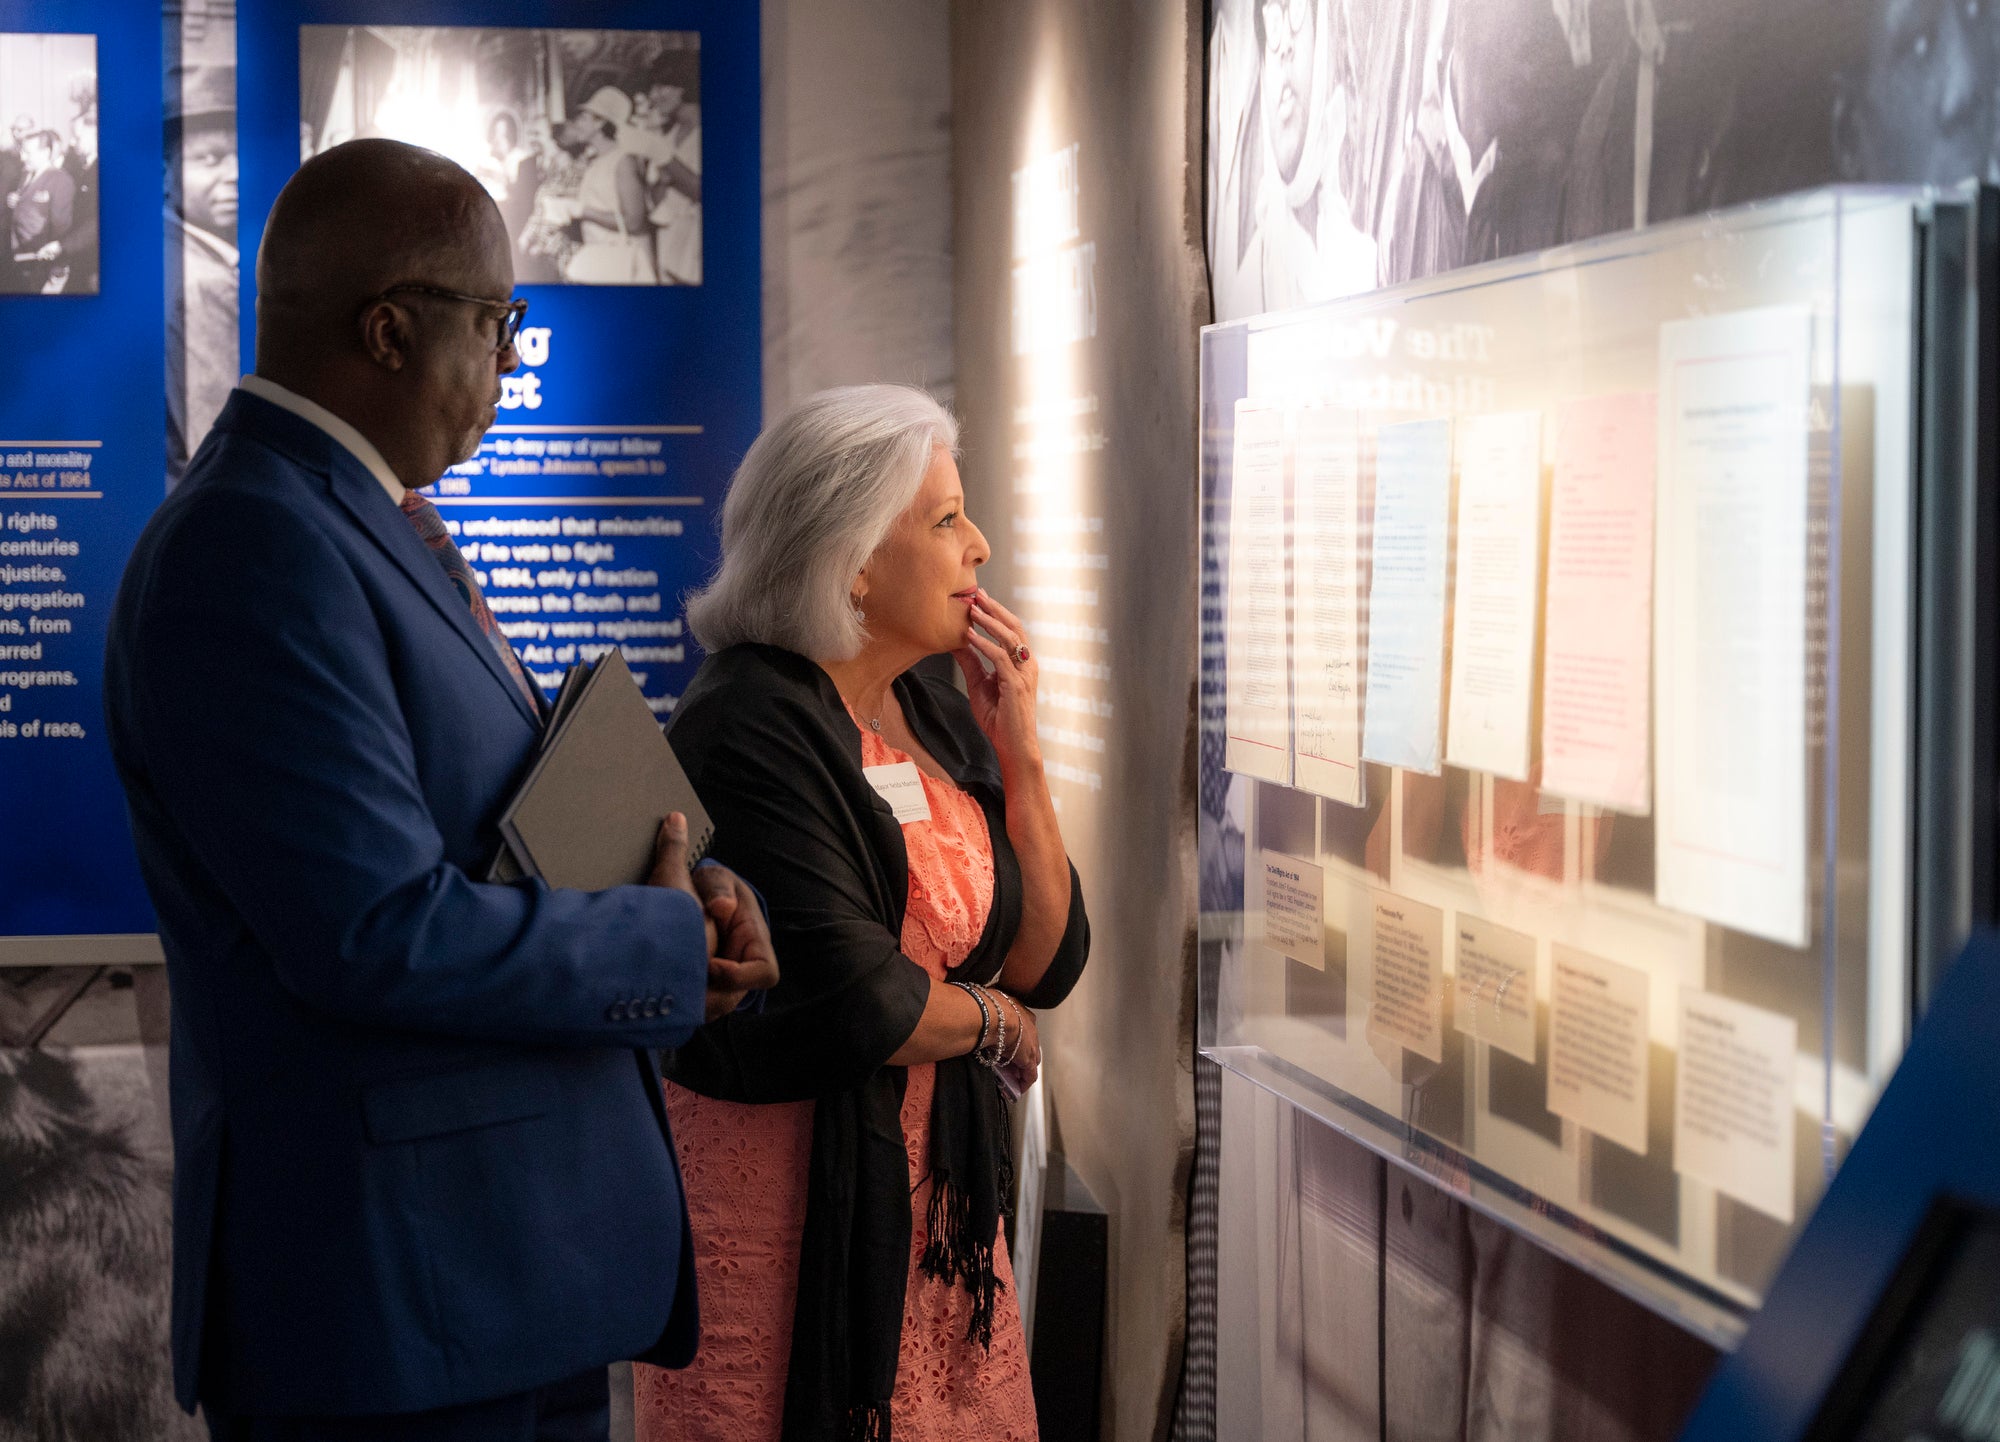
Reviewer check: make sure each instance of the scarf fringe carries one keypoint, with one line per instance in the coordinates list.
(953, 1254)
(868, 1422)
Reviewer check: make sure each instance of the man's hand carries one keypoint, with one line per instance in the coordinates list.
(670, 867)
(741, 958)
(745, 960)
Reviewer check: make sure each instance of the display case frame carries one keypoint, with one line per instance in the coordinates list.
(1882, 297)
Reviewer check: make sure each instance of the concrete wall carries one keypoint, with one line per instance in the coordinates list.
(857, 196)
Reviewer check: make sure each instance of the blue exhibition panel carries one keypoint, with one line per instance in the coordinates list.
(82, 458)
(591, 511)
(592, 506)
(1884, 1322)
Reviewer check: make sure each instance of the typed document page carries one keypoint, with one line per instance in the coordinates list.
(1257, 694)
(1406, 595)
(1597, 657)
(1326, 603)
(1730, 648)
(1493, 610)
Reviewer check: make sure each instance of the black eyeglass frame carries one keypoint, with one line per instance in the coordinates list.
(513, 312)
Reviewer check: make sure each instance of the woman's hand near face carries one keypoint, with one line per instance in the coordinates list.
(1003, 700)
(1003, 704)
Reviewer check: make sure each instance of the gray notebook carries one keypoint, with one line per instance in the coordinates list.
(589, 813)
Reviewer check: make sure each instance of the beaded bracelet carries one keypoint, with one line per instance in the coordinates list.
(985, 1016)
(992, 1058)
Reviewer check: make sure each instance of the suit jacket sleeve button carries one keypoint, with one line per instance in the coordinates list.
(615, 1012)
(652, 1007)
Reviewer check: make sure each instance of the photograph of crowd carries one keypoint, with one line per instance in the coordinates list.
(1360, 143)
(588, 140)
(48, 164)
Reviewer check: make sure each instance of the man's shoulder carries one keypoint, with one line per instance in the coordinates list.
(255, 446)
(240, 495)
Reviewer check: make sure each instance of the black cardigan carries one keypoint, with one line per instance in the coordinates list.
(776, 758)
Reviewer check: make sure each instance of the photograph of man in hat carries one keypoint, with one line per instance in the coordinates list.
(611, 205)
(204, 343)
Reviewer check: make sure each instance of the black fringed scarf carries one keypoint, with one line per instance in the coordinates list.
(776, 759)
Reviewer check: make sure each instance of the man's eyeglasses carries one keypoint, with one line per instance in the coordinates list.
(512, 312)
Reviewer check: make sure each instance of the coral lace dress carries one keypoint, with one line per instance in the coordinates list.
(744, 1168)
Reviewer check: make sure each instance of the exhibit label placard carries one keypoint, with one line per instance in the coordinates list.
(1495, 997)
(1598, 1041)
(1295, 909)
(1407, 1002)
(1734, 1117)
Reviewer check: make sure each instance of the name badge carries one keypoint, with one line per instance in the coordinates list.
(902, 786)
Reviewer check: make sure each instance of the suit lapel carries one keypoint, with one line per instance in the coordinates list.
(362, 496)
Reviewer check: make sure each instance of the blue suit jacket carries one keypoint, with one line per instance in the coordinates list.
(420, 1156)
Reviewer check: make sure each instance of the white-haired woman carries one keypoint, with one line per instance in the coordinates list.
(845, 1148)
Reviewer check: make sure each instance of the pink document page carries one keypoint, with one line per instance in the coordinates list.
(1597, 665)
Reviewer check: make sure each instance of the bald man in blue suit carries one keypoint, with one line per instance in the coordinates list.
(424, 1181)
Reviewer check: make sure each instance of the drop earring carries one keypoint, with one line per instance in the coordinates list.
(859, 614)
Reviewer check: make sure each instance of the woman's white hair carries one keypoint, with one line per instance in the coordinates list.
(818, 492)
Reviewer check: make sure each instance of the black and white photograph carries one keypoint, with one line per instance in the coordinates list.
(48, 164)
(85, 1205)
(1360, 143)
(204, 340)
(588, 140)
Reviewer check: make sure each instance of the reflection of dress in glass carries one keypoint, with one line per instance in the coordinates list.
(744, 1167)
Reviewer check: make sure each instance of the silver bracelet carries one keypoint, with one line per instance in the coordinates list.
(1021, 1029)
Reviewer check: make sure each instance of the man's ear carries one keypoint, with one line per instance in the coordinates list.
(386, 335)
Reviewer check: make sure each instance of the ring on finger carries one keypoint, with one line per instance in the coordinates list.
(1020, 654)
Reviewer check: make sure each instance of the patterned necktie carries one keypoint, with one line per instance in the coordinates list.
(429, 526)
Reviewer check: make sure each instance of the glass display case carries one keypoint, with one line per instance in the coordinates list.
(1590, 763)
